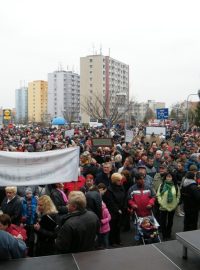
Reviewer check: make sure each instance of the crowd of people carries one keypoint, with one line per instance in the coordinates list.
(147, 177)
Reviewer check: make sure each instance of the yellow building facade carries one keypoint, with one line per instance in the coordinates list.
(37, 101)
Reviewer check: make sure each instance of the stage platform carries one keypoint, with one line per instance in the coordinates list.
(165, 256)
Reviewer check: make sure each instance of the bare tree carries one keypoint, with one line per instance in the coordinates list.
(149, 115)
(99, 109)
(70, 116)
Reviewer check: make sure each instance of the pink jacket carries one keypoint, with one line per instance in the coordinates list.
(106, 217)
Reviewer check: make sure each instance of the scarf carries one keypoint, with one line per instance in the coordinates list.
(168, 188)
(63, 195)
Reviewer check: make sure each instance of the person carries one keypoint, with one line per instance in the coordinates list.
(46, 227)
(127, 182)
(128, 165)
(59, 198)
(149, 231)
(157, 159)
(157, 181)
(103, 236)
(168, 196)
(180, 174)
(151, 170)
(16, 231)
(89, 181)
(11, 247)
(114, 198)
(11, 205)
(141, 197)
(191, 200)
(29, 207)
(94, 201)
(80, 226)
(21, 190)
(29, 216)
(141, 169)
(105, 175)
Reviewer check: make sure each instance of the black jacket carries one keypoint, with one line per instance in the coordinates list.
(94, 202)
(47, 234)
(114, 199)
(78, 232)
(13, 209)
(103, 178)
(190, 194)
(60, 204)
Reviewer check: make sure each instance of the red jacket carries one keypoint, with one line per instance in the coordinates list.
(140, 198)
(16, 230)
(74, 185)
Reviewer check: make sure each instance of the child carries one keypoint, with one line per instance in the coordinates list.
(29, 206)
(149, 231)
(103, 236)
(29, 216)
(14, 230)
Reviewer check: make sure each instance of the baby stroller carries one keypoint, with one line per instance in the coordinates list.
(146, 230)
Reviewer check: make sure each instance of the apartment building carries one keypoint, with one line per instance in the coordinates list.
(21, 104)
(64, 95)
(103, 78)
(37, 101)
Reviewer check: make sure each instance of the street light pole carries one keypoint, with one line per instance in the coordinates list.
(187, 108)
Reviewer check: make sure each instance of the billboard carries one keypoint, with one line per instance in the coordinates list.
(7, 114)
(162, 114)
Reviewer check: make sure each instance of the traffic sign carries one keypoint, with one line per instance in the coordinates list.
(162, 113)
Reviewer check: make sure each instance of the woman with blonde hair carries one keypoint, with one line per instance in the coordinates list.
(47, 226)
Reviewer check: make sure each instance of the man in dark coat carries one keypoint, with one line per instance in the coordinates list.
(80, 226)
(104, 176)
(12, 205)
(191, 201)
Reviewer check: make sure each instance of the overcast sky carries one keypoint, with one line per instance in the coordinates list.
(160, 40)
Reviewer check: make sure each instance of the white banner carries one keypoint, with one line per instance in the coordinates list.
(39, 168)
(129, 135)
(69, 133)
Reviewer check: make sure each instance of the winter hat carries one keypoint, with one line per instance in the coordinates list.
(28, 190)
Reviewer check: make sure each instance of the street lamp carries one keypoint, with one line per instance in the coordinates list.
(187, 109)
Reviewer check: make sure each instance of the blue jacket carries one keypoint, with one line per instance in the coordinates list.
(30, 217)
(10, 247)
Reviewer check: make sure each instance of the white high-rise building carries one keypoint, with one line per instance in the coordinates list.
(64, 95)
(21, 104)
(105, 78)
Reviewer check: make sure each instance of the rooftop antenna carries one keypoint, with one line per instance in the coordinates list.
(109, 52)
(100, 49)
(60, 66)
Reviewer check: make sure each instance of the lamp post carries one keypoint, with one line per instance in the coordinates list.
(187, 108)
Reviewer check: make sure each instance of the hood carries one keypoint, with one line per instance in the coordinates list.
(188, 182)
